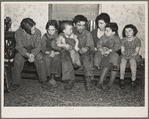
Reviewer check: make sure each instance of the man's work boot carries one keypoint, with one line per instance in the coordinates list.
(70, 85)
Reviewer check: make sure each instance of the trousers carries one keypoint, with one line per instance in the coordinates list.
(53, 64)
(113, 58)
(18, 67)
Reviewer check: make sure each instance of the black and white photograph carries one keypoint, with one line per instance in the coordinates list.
(58, 59)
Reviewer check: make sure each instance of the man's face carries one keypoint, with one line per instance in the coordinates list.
(80, 26)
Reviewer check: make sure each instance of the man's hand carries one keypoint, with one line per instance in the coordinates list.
(83, 50)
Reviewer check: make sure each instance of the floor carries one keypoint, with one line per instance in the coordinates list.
(31, 94)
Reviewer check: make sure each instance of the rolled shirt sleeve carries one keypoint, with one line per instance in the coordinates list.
(89, 40)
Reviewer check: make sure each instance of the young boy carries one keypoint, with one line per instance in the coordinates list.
(108, 44)
(68, 38)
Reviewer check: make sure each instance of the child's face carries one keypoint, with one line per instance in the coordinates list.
(68, 29)
(101, 25)
(109, 32)
(33, 30)
(51, 30)
(129, 32)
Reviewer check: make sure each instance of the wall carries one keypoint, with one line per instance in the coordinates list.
(124, 14)
(38, 12)
(121, 13)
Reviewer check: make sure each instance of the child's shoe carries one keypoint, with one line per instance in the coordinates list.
(122, 83)
(133, 85)
(115, 68)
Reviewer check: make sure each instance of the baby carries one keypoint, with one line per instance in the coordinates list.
(68, 38)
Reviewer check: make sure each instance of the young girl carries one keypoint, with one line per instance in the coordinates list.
(67, 37)
(130, 52)
(51, 57)
(107, 45)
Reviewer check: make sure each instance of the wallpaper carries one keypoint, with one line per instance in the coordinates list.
(17, 12)
(124, 14)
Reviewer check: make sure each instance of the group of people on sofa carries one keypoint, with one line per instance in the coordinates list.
(75, 48)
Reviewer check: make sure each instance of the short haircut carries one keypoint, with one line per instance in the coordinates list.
(52, 23)
(63, 25)
(103, 16)
(113, 26)
(130, 26)
(27, 24)
(79, 18)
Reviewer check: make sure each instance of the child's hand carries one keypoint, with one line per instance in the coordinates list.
(134, 54)
(77, 49)
(47, 52)
(52, 54)
(31, 59)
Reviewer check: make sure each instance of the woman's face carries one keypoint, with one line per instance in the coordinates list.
(33, 30)
(129, 32)
(101, 25)
(51, 30)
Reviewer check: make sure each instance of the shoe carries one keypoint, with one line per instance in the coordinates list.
(88, 86)
(133, 85)
(115, 68)
(70, 85)
(81, 68)
(108, 88)
(122, 83)
(45, 86)
(100, 86)
(94, 82)
(14, 87)
(95, 67)
(76, 67)
(53, 83)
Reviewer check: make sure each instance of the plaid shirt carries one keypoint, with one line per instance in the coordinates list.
(28, 43)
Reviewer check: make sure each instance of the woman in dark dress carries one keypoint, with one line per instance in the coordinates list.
(101, 21)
